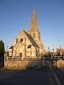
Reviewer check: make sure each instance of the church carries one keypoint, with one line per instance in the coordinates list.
(28, 44)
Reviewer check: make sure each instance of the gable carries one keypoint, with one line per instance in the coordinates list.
(20, 36)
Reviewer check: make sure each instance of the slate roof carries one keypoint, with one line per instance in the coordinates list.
(31, 39)
(11, 47)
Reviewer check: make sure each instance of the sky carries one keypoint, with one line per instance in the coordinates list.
(16, 14)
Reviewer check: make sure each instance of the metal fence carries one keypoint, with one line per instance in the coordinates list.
(12, 58)
(37, 58)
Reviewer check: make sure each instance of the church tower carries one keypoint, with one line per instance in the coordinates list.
(33, 31)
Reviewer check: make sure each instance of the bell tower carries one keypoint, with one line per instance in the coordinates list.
(33, 31)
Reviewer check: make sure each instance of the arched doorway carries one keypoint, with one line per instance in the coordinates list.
(20, 54)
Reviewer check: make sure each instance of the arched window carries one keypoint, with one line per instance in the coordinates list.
(29, 46)
(21, 40)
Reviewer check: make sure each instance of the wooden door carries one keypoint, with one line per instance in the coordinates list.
(21, 54)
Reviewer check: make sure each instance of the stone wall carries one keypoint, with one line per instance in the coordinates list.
(22, 65)
(12, 64)
(60, 63)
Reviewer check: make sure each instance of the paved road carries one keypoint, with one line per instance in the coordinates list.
(32, 77)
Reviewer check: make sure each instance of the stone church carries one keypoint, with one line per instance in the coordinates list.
(28, 44)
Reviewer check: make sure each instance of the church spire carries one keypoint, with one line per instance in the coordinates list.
(34, 25)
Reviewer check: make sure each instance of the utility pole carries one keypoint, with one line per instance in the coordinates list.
(7, 48)
(53, 51)
(60, 50)
(48, 52)
(48, 49)
(60, 47)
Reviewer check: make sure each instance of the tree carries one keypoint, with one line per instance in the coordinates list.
(1, 48)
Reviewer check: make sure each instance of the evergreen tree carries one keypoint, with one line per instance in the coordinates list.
(1, 48)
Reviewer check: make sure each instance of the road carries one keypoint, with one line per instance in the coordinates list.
(32, 77)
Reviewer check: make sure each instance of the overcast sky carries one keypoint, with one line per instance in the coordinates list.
(16, 14)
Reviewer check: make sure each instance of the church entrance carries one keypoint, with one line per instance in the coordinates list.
(21, 54)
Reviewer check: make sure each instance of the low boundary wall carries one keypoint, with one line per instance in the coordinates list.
(20, 64)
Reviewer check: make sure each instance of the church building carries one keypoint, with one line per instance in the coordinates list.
(28, 44)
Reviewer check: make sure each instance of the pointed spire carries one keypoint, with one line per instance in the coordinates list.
(34, 25)
(33, 12)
